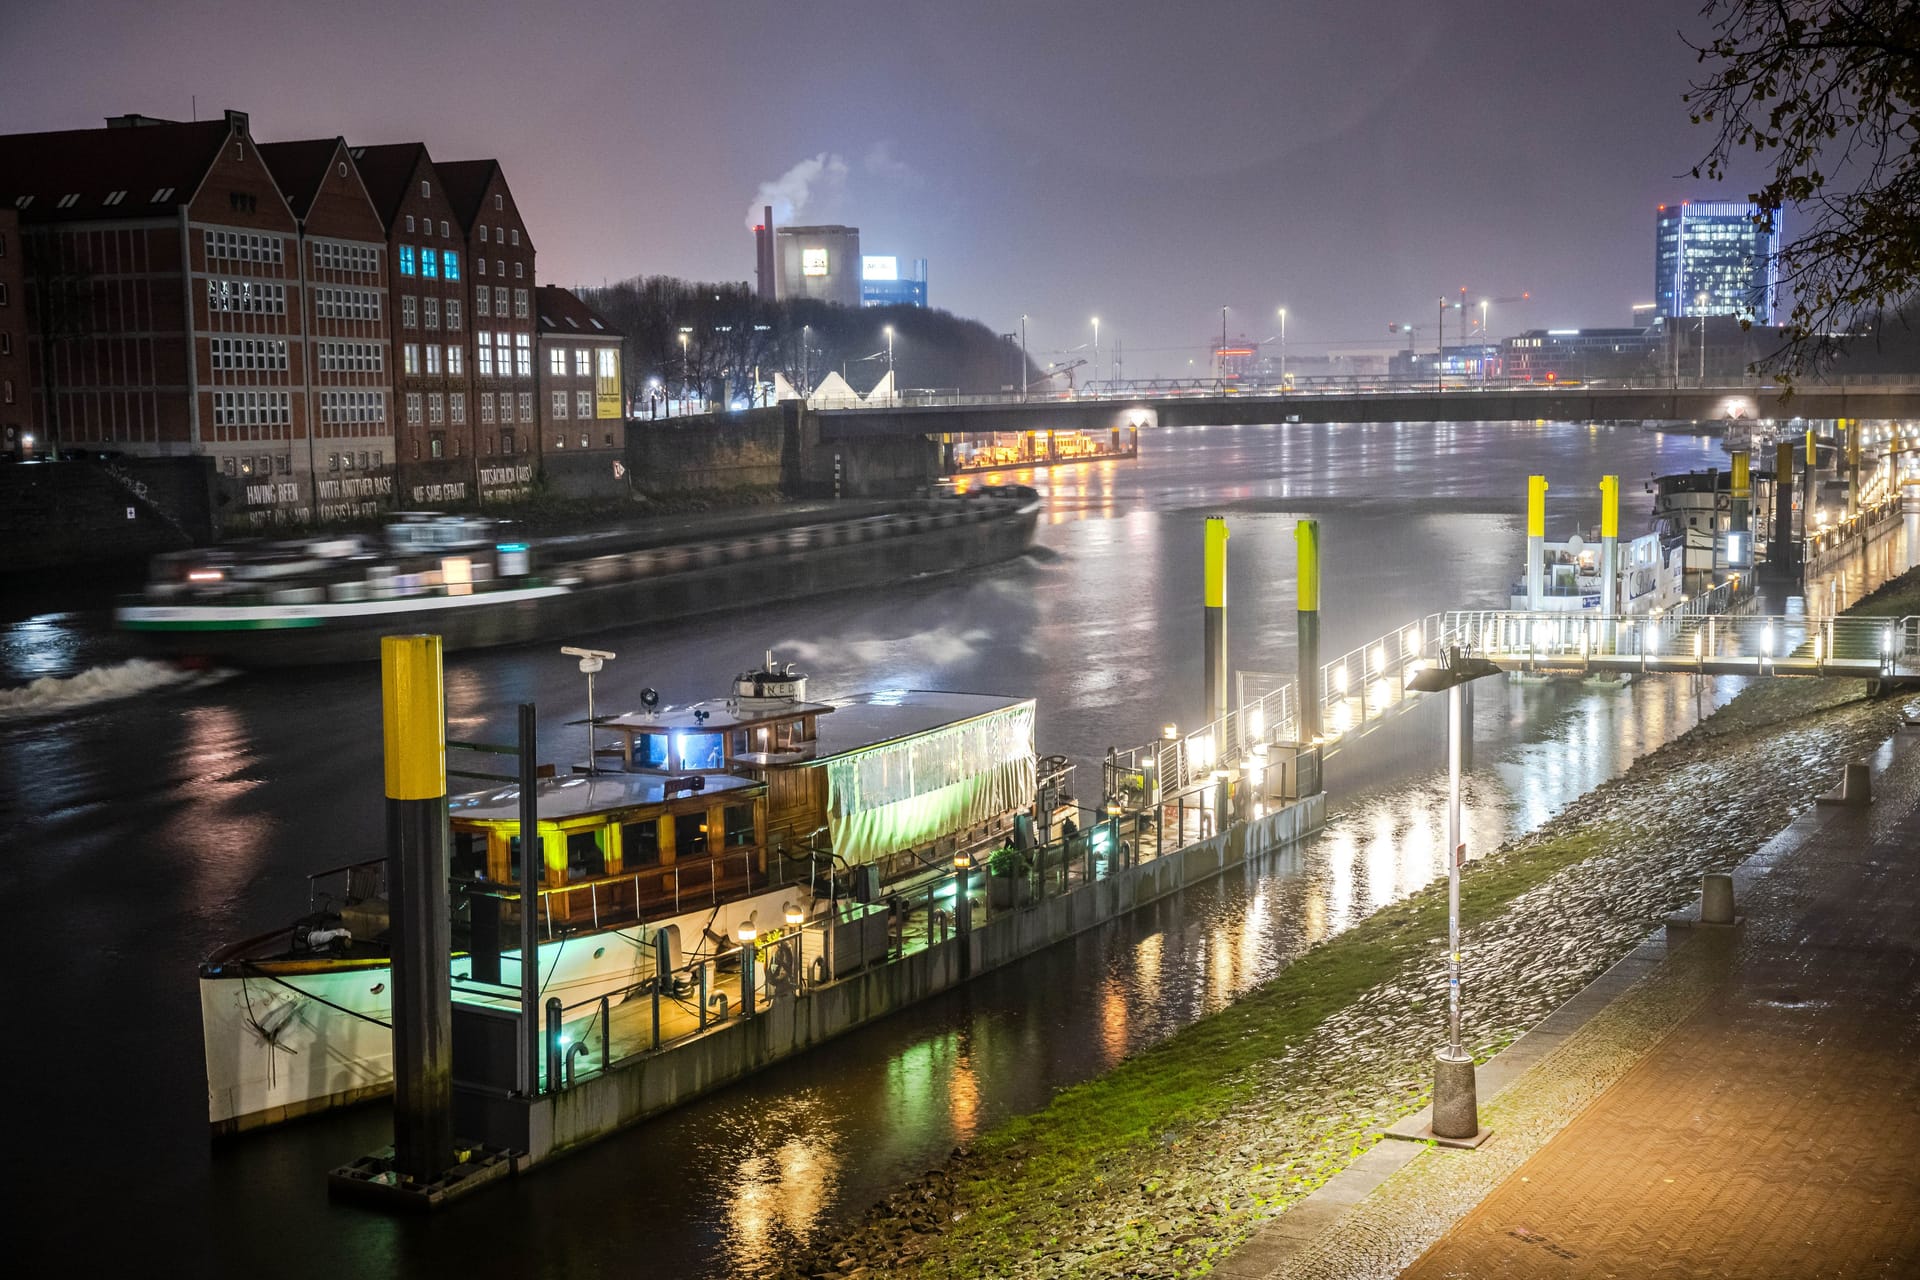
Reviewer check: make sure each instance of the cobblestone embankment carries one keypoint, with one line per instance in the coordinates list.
(1159, 1168)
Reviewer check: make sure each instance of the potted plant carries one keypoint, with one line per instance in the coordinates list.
(1007, 878)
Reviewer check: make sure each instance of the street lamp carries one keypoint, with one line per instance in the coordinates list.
(1701, 301)
(1096, 348)
(685, 381)
(1283, 349)
(1023, 358)
(1456, 1109)
(806, 387)
(893, 392)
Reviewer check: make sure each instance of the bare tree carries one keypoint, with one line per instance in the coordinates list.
(1826, 90)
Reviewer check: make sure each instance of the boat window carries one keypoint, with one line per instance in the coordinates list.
(650, 750)
(640, 843)
(470, 854)
(739, 820)
(585, 856)
(700, 751)
(513, 862)
(689, 835)
(740, 747)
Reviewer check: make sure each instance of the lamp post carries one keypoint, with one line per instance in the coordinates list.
(893, 392)
(806, 386)
(1283, 349)
(1702, 302)
(685, 382)
(1096, 348)
(1023, 358)
(1456, 1110)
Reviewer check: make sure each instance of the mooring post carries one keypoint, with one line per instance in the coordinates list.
(1782, 553)
(529, 873)
(1536, 541)
(1740, 543)
(661, 976)
(1216, 623)
(1306, 543)
(1609, 550)
(414, 721)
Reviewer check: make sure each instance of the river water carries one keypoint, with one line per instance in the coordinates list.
(149, 818)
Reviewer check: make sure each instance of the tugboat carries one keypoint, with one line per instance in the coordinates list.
(749, 809)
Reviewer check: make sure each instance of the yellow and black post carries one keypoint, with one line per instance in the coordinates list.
(1740, 540)
(1782, 553)
(1536, 541)
(1306, 544)
(413, 707)
(1215, 668)
(1609, 545)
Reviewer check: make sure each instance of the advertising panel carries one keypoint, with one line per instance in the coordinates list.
(606, 383)
(874, 267)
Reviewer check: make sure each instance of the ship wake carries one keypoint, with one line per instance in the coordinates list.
(60, 696)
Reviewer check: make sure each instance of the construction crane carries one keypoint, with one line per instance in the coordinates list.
(1065, 367)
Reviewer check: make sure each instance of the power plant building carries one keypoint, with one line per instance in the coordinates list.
(819, 262)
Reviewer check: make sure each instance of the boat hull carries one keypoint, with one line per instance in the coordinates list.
(607, 591)
(284, 1040)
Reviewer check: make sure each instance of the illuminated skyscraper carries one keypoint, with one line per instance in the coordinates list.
(1715, 249)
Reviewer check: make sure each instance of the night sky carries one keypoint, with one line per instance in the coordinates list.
(1141, 161)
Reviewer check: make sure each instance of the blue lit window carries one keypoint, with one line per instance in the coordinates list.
(406, 259)
(430, 262)
(453, 265)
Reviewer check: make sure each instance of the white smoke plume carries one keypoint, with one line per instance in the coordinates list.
(814, 180)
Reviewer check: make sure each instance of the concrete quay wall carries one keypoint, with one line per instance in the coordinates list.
(646, 1085)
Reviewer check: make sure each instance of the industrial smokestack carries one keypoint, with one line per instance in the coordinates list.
(763, 255)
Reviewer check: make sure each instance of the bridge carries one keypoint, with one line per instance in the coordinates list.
(1372, 683)
(1351, 401)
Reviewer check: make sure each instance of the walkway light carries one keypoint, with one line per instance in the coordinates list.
(963, 862)
(1456, 1108)
(1766, 640)
(1340, 679)
(1257, 722)
(792, 913)
(747, 932)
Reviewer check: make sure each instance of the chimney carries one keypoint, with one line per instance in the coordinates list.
(763, 255)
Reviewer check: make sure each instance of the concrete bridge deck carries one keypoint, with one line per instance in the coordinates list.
(1686, 401)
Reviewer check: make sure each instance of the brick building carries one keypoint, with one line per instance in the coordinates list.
(427, 270)
(163, 298)
(341, 329)
(583, 429)
(343, 342)
(16, 387)
(506, 383)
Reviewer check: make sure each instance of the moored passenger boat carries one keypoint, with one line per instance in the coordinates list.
(751, 809)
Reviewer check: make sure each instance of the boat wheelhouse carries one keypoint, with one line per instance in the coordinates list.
(729, 814)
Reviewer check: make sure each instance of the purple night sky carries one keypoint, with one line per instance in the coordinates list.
(1142, 162)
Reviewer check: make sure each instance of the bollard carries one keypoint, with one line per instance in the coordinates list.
(1855, 790)
(1456, 1100)
(1536, 541)
(554, 1023)
(1716, 898)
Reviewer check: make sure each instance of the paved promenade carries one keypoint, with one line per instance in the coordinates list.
(1737, 1103)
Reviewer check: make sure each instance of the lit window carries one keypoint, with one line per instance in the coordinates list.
(430, 263)
(406, 255)
(582, 363)
(557, 362)
(456, 359)
(433, 357)
(410, 357)
(523, 357)
(484, 350)
(453, 265)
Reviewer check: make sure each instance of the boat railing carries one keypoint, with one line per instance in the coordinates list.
(353, 882)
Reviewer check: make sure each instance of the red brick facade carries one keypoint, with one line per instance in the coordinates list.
(582, 398)
(341, 329)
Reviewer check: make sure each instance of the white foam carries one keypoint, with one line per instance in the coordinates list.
(52, 695)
